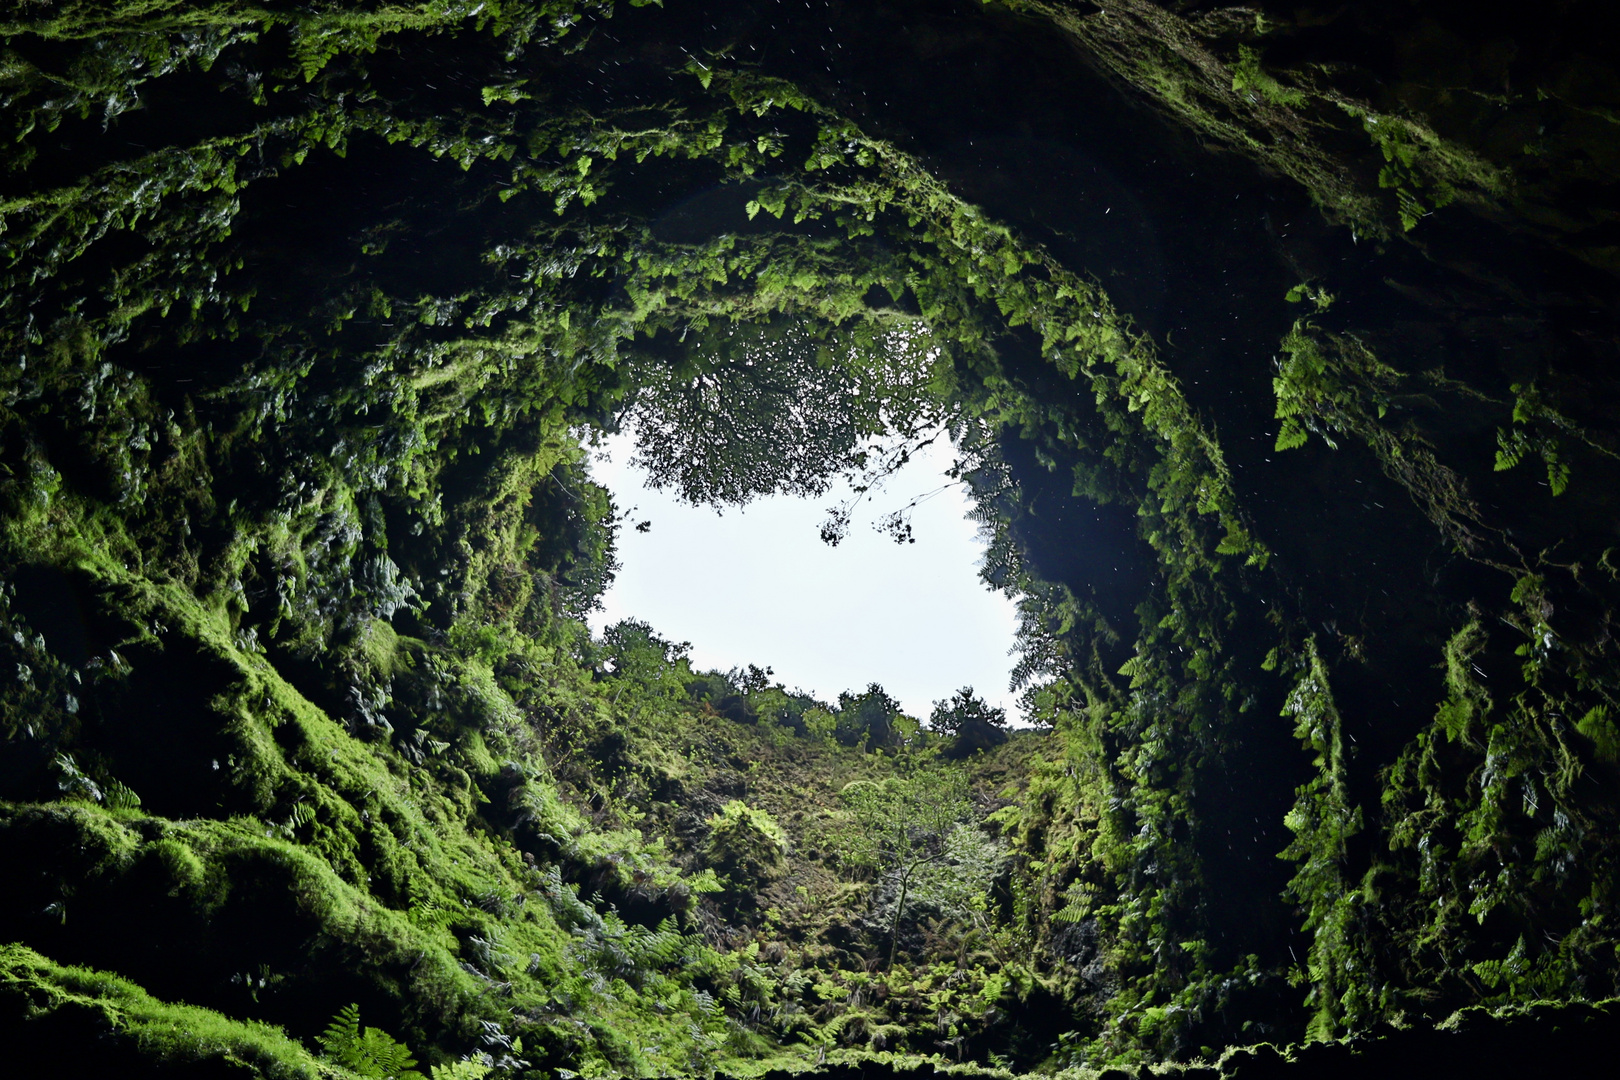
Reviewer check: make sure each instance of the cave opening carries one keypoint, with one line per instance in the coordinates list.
(758, 585)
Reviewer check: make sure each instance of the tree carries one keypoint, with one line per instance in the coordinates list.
(639, 656)
(737, 409)
(964, 707)
(872, 720)
(901, 826)
(974, 723)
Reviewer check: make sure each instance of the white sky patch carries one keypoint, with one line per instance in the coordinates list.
(756, 585)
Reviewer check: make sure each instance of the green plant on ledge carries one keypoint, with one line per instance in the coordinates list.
(368, 1052)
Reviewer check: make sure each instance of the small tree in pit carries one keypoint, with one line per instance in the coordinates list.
(902, 826)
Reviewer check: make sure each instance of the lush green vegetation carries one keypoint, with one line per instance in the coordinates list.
(311, 767)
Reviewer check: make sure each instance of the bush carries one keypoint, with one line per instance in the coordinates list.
(747, 846)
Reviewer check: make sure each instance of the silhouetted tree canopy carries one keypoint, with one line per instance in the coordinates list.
(739, 409)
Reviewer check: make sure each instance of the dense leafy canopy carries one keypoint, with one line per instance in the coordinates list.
(756, 409)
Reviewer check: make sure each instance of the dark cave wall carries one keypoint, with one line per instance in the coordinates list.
(1176, 659)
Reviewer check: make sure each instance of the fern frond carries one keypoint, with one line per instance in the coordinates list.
(342, 1035)
(371, 1053)
(386, 1057)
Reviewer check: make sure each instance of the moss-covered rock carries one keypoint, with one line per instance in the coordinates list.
(746, 846)
(77, 1022)
(308, 319)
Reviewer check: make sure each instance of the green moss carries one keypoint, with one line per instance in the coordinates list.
(332, 577)
(1247, 74)
(1207, 74)
(129, 1030)
(746, 846)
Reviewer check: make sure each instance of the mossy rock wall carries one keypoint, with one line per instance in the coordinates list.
(1279, 348)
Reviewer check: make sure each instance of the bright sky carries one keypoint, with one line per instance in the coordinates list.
(756, 585)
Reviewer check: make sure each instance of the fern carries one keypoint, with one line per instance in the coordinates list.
(461, 1070)
(1532, 432)
(1080, 899)
(369, 1052)
(300, 815)
(1291, 435)
(1510, 448)
(1597, 726)
(1517, 976)
(342, 1033)
(118, 796)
